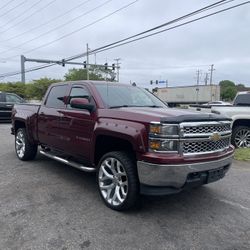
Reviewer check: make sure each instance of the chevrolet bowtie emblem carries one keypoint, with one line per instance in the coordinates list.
(215, 137)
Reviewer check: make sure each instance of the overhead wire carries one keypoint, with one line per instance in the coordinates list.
(47, 22)
(176, 26)
(59, 26)
(118, 43)
(29, 16)
(214, 5)
(5, 5)
(22, 13)
(13, 8)
(75, 31)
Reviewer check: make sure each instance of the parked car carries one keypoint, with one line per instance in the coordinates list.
(217, 103)
(7, 101)
(134, 142)
(240, 115)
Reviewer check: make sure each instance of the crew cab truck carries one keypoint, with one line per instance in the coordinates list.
(135, 143)
(240, 115)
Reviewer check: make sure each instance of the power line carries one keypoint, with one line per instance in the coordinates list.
(173, 27)
(30, 15)
(13, 8)
(47, 22)
(58, 27)
(77, 30)
(5, 5)
(214, 5)
(22, 13)
(116, 44)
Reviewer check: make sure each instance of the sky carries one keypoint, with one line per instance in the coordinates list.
(47, 29)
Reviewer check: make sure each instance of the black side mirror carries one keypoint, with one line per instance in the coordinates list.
(81, 103)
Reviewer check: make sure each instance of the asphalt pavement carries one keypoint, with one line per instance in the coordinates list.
(48, 205)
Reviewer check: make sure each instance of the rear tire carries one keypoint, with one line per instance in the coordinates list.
(241, 137)
(24, 149)
(117, 180)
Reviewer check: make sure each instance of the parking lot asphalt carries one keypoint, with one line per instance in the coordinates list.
(48, 205)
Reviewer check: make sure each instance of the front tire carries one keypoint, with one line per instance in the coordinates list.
(117, 180)
(24, 149)
(241, 137)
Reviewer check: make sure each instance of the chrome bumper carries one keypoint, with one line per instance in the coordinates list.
(175, 175)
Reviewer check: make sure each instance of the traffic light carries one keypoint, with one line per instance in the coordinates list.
(63, 62)
(156, 82)
(113, 66)
(151, 82)
(106, 66)
(85, 64)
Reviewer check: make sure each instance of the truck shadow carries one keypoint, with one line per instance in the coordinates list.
(185, 201)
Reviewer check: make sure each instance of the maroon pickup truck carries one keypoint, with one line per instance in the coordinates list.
(135, 143)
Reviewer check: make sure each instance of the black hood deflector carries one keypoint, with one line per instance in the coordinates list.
(195, 118)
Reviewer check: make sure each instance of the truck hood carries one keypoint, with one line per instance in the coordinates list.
(232, 111)
(167, 115)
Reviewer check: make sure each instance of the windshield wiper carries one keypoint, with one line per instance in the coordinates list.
(120, 106)
(136, 106)
(153, 106)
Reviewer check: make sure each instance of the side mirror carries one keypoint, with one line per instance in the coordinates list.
(81, 103)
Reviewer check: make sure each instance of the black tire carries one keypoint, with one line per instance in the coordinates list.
(25, 150)
(235, 136)
(128, 167)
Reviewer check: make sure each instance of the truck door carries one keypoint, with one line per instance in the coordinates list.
(49, 115)
(77, 125)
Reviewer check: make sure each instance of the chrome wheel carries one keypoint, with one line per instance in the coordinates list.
(20, 144)
(242, 138)
(113, 181)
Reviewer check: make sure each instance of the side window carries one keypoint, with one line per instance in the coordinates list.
(79, 92)
(56, 97)
(13, 98)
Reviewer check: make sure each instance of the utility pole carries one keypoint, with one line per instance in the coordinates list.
(206, 79)
(198, 76)
(22, 69)
(117, 67)
(87, 62)
(211, 73)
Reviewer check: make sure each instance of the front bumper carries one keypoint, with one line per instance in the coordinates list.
(164, 179)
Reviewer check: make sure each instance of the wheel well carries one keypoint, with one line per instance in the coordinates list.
(19, 124)
(241, 122)
(105, 144)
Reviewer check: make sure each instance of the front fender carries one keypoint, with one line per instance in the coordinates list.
(133, 132)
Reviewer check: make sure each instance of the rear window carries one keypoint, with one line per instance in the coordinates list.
(242, 100)
(56, 97)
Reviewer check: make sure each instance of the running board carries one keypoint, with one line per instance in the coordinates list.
(67, 162)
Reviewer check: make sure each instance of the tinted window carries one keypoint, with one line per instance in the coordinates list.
(242, 100)
(13, 98)
(1, 97)
(56, 97)
(78, 92)
(123, 95)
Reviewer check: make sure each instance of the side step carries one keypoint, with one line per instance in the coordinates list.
(67, 162)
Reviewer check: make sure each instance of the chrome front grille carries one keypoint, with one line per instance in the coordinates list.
(195, 147)
(204, 129)
(205, 137)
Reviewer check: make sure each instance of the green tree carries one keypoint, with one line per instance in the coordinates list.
(14, 87)
(228, 90)
(38, 88)
(95, 73)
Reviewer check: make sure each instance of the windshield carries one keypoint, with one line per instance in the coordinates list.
(115, 96)
(242, 100)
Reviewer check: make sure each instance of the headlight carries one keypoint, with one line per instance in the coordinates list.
(163, 145)
(163, 137)
(163, 129)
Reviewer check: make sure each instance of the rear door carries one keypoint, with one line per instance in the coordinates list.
(49, 115)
